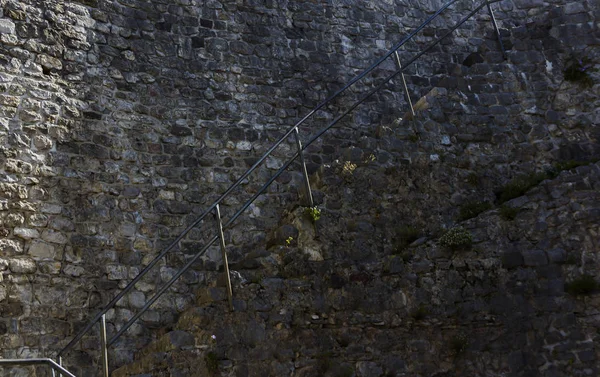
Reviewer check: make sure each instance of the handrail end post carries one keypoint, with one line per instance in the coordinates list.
(104, 348)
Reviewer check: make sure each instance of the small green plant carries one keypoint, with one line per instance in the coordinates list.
(405, 236)
(348, 169)
(406, 256)
(344, 371)
(370, 158)
(571, 259)
(324, 363)
(520, 185)
(472, 209)
(458, 344)
(212, 362)
(508, 213)
(456, 238)
(583, 285)
(288, 241)
(578, 70)
(313, 213)
(568, 165)
(419, 313)
(473, 179)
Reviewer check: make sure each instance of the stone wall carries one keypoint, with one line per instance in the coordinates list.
(122, 121)
(371, 305)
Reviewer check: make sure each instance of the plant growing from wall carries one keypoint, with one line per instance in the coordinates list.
(578, 71)
(212, 362)
(344, 371)
(313, 213)
(520, 185)
(568, 165)
(405, 235)
(458, 344)
(473, 179)
(508, 213)
(419, 313)
(348, 169)
(472, 209)
(456, 238)
(583, 285)
(370, 158)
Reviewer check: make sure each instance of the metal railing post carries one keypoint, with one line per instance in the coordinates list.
(491, 11)
(412, 110)
(224, 255)
(59, 362)
(304, 171)
(104, 350)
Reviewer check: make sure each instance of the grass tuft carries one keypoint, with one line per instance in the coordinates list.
(419, 313)
(520, 185)
(456, 238)
(405, 236)
(458, 344)
(212, 362)
(583, 285)
(472, 209)
(508, 213)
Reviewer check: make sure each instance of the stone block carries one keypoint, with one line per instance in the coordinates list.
(11, 246)
(49, 62)
(213, 294)
(574, 8)
(41, 250)
(54, 237)
(26, 233)
(535, 258)
(512, 259)
(116, 272)
(557, 255)
(22, 266)
(7, 26)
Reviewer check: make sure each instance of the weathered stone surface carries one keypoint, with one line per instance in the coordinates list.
(22, 266)
(41, 250)
(26, 233)
(535, 258)
(7, 26)
(121, 121)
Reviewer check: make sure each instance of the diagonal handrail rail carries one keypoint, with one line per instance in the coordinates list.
(293, 129)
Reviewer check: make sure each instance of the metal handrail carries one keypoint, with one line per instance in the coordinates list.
(294, 129)
(51, 363)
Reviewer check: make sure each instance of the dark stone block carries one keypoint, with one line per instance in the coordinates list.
(396, 265)
(516, 361)
(473, 59)
(131, 192)
(179, 207)
(535, 258)
(197, 42)
(512, 259)
(94, 150)
(557, 255)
